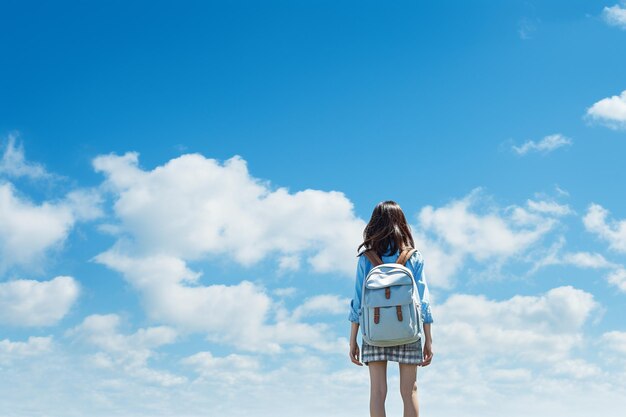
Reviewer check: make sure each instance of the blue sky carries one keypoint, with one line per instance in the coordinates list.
(165, 164)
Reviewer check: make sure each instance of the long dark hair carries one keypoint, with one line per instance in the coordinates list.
(387, 228)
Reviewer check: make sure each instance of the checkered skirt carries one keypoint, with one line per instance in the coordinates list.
(410, 353)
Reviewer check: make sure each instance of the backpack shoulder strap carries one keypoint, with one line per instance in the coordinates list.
(373, 257)
(405, 255)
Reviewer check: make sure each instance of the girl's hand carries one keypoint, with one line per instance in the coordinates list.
(428, 353)
(354, 353)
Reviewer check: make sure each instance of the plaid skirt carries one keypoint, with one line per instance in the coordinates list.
(410, 353)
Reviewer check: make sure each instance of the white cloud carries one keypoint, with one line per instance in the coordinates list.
(217, 383)
(289, 263)
(480, 235)
(28, 230)
(459, 230)
(538, 329)
(226, 385)
(129, 353)
(547, 144)
(285, 292)
(610, 111)
(576, 368)
(34, 346)
(320, 304)
(618, 278)
(446, 388)
(37, 303)
(193, 206)
(552, 256)
(549, 207)
(229, 369)
(615, 15)
(614, 232)
(216, 309)
(85, 203)
(615, 340)
(170, 294)
(587, 260)
(14, 164)
(101, 330)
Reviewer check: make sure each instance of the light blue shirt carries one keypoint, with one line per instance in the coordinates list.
(415, 264)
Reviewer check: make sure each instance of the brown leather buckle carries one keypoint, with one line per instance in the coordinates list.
(399, 312)
(376, 314)
(387, 293)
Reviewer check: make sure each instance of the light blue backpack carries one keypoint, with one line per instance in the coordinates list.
(390, 303)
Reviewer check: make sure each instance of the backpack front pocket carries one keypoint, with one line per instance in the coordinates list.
(392, 324)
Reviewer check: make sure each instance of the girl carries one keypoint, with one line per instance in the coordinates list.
(388, 234)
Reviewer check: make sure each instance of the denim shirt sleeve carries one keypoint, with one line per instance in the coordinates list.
(417, 261)
(355, 303)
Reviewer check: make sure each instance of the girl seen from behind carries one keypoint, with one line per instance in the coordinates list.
(386, 237)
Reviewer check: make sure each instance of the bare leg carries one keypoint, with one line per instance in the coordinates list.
(378, 388)
(408, 389)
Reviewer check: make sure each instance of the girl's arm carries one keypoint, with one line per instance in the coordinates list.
(355, 308)
(354, 346)
(428, 346)
(422, 286)
(427, 336)
(354, 331)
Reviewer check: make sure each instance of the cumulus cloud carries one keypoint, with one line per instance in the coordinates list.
(322, 304)
(193, 206)
(615, 15)
(127, 352)
(617, 278)
(34, 346)
(171, 293)
(216, 308)
(37, 303)
(545, 145)
(285, 292)
(581, 259)
(229, 369)
(610, 111)
(576, 369)
(611, 231)
(481, 235)
(29, 230)
(542, 328)
(85, 204)
(553, 255)
(462, 229)
(14, 163)
(615, 340)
